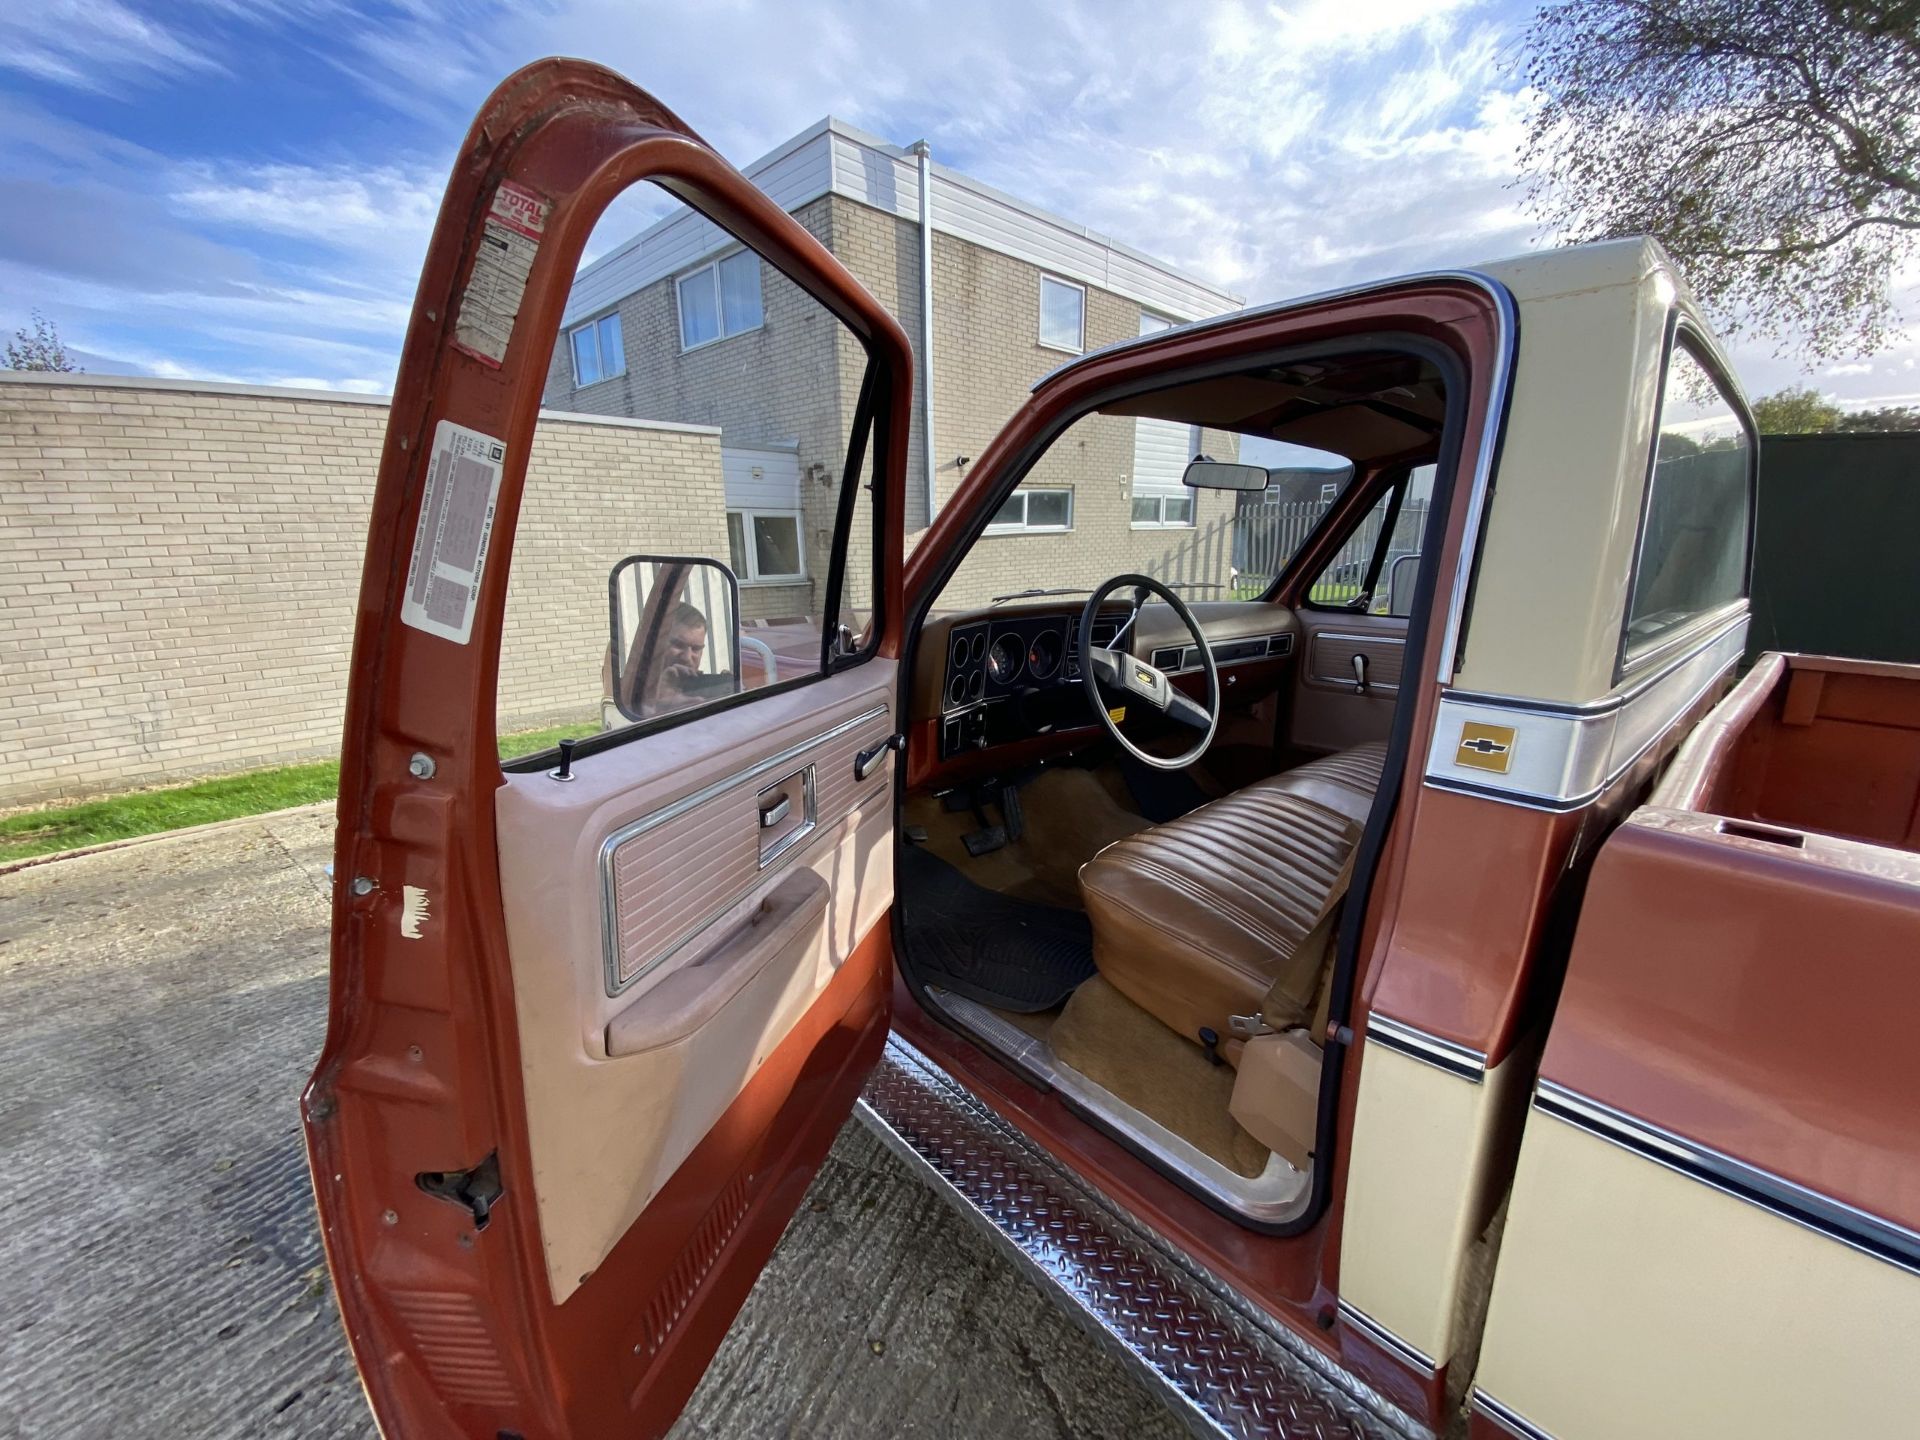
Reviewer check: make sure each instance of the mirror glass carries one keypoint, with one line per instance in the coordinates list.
(674, 638)
(1224, 475)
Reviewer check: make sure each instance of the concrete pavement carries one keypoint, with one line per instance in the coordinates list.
(160, 1006)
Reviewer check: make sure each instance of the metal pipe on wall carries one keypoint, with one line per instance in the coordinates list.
(925, 158)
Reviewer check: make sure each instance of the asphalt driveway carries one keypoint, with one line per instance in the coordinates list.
(160, 1007)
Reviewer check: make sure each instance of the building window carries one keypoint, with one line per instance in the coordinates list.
(765, 546)
(720, 299)
(1162, 511)
(1063, 315)
(1037, 511)
(598, 353)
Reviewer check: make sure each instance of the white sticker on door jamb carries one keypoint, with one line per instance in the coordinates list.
(509, 239)
(456, 526)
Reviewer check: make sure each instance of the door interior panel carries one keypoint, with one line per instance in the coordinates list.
(1339, 703)
(671, 911)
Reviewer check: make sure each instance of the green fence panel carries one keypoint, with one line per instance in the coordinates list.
(1836, 565)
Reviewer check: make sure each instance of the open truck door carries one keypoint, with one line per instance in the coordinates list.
(596, 1014)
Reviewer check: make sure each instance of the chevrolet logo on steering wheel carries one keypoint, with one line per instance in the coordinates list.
(1145, 677)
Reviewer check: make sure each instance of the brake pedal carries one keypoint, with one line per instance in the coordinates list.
(1012, 813)
(985, 842)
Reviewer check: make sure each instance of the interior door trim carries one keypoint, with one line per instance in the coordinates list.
(609, 894)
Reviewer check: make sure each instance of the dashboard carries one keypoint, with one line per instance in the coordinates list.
(1014, 674)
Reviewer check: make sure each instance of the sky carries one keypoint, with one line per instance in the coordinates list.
(242, 190)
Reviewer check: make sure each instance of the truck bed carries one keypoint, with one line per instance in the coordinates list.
(1809, 743)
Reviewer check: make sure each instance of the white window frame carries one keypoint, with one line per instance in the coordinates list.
(751, 554)
(1021, 527)
(710, 271)
(1160, 507)
(596, 325)
(1040, 318)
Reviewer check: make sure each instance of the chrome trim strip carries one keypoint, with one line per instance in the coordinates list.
(1565, 757)
(609, 904)
(1822, 1214)
(809, 818)
(1386, 1339)
(1506, 1419)
(1397, 1035)
(1500, 383)
(1223, 1366)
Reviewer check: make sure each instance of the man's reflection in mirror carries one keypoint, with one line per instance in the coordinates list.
(673, 683)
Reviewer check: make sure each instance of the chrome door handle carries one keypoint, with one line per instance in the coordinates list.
(773, 813)
(864, 762)
(1359, 673)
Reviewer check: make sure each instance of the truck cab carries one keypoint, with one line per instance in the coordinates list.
(1356, 983)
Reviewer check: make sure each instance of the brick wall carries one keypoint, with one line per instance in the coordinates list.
(181, 566)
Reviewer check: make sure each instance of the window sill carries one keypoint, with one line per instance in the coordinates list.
(618, 374)
(1162, 525)
(768, 582)
(1080, 349)
(722, 339)
(1028, 530)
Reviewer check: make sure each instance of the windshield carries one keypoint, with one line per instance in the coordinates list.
(1107, 499)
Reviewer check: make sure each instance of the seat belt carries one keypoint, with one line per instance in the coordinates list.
(1284, 1007)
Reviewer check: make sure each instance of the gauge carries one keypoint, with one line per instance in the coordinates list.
(1005, 659)
(959, 650)
(957, 692)
(1043, 656)
(979, 644)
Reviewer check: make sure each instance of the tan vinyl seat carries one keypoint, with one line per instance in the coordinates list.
(1202, 918)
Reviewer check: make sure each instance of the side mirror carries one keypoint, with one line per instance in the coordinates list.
(1402, 576)
(673, 635)
(1224, 475)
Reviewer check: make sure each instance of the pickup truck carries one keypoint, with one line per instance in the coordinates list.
(1488, 1013)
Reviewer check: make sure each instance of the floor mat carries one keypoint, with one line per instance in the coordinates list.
(1119, 1046)
(1007, 953)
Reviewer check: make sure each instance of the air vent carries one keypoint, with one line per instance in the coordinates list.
(1280, 645)
(705, 1247)
(1168, 658)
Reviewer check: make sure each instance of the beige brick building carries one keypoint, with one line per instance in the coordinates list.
(182, 562)
(678, 324)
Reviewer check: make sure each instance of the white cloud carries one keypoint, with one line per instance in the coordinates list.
(91, 44)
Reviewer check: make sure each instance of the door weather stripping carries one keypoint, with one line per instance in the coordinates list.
(1456, 1060)
(1223, 1367)
(1822, 1214)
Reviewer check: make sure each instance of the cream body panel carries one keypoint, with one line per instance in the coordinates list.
(608, 1133)
(1632, 1300)
(1417, 1190)
(1563, 516)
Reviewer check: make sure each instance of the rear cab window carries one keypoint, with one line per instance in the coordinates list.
(1696, 522)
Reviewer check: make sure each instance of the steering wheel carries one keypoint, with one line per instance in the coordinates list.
(1115, 673)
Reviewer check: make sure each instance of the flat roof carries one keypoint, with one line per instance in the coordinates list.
(831, 157)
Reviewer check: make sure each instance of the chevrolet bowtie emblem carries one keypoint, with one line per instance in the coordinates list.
(1485, 747)
(1145, 677)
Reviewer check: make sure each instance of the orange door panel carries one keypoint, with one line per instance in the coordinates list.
(594, 1019)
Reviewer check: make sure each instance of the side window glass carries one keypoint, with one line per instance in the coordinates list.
(682, 506)
(1694, 527)
(1376, 566)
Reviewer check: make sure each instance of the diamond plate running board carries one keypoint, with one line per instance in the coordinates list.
(1220, 1365)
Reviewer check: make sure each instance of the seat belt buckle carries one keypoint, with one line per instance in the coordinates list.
(1246, 1027)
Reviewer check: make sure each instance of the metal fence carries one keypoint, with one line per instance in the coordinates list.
(1239, 555)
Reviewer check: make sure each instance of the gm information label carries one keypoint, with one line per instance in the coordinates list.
(456, 524)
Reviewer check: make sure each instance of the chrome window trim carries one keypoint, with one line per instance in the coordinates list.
(1387, 1340)
(1835, 1219)
(1566, 756)
(1499, 388)
(1507, 1419)
(609, 900)
(1457, 1060)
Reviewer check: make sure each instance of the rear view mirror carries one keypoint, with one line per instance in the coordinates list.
(1224, 475)
(673, 635)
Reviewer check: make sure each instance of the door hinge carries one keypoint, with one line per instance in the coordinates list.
(478, 1189)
